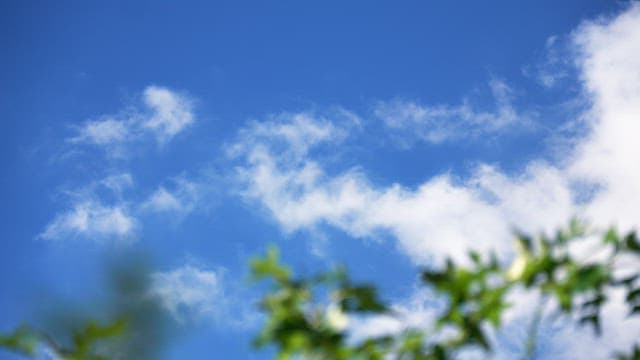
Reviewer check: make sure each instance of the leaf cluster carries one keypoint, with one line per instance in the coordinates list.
(28, 341)
(476, 295)
(308, 316)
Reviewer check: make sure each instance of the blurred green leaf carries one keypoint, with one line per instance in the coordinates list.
(22, 340)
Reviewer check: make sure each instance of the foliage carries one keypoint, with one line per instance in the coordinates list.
(27, 340)
(129, 326)
(308, 317)
(297, 327)
(299, 324)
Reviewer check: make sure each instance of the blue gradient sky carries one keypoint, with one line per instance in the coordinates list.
(503, 79)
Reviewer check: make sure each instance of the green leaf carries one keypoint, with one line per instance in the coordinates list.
(524, 242)
(631, 242)
(590, 276)
(594, 320)
(633, 295)
(269, 266)
(611, 237)
(23, 340)
(361, 299)
(475, 257)
(595, 302)
(628, 281)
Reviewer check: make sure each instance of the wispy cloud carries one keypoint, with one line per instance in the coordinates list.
(112, 208)
(294, 134)
(474, 213)
(93, 216)
(117, 182)
(170, 112)
(447, 215)
(480, 210)
(410, 121)
(555, 64)
(299, 194)
(190, 292)
(93, 220)
(163, 200)
(195, 293)
(162, 114)
(181, 195)
(103, 132)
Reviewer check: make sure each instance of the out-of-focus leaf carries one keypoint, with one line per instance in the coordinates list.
(633, 295)
(594, 320)
(269, 266)
(23, 340)
(632, 243)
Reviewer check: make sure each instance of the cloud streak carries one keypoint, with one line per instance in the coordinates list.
(181, 198)
(192, 293)
(93, 216)
(162, 115)
(91, 219)
(436, 124)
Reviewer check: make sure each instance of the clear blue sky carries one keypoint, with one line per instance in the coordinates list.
(199, 132)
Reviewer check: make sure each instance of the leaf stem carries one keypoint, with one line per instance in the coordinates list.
(532, 338)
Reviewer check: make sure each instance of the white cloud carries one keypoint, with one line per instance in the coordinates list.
(107, 209)
(619, 331)
(118, 182)
(556, 64)
(182, 197)
(294, 134)
(189, 291)
(90, 216)
(163, 200)
(194, 293)
(441, 216)
(608, 155)
(103, 132)
(92, 220)
(410, 121)
(163, 114)
(445, 215)
(170, 112)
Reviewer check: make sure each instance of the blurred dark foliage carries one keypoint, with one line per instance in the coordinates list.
(127, 323)
(308, 317)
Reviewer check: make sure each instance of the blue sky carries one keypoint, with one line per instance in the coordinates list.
(385, 136)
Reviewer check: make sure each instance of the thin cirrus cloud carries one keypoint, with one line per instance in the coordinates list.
(106, 210)
(555, 66)
(410, 121)
(98, 214)
(162, 115)
(90, 216)
(294, 134)
(117, 183)
(445, 216)
(192, 293)
(183, 196)
(188, 291)
(91, 219)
